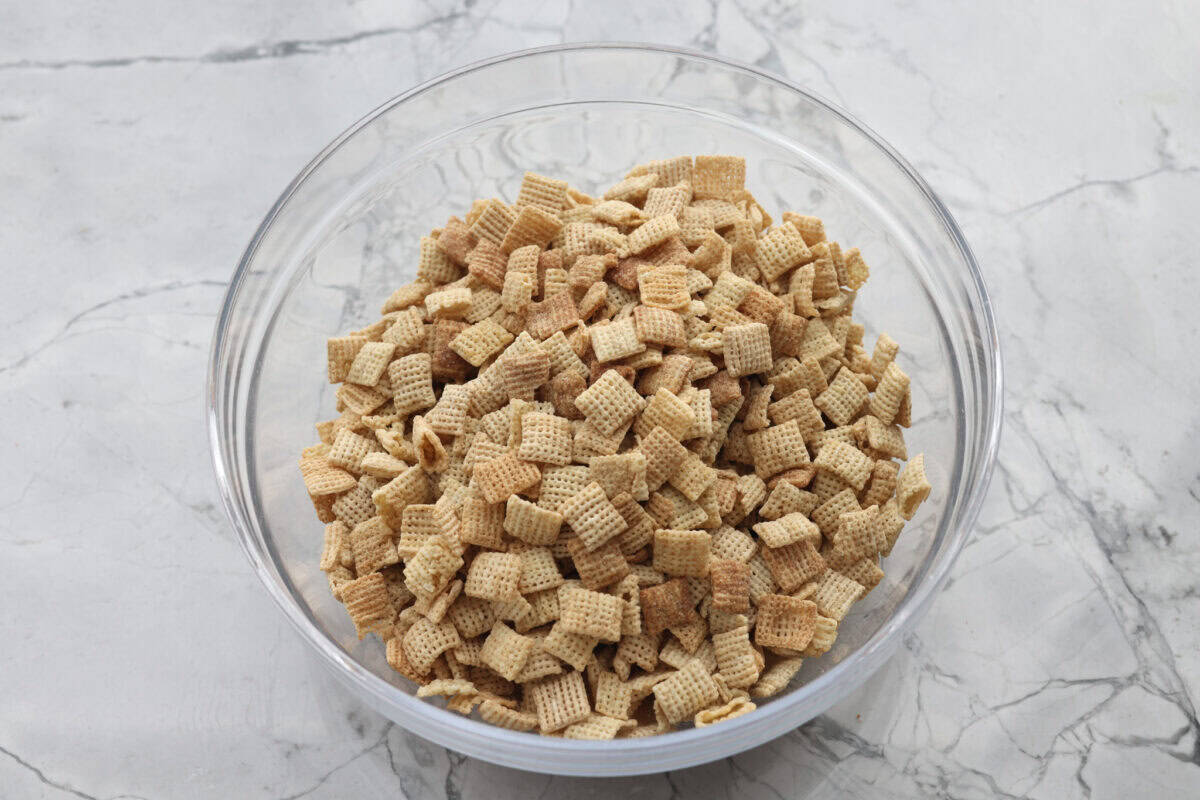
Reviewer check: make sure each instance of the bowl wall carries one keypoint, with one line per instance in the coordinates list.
(346, 234)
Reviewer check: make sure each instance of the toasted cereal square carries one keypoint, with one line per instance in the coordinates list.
(845, 461)
(682, 552)
(342, 350)
(667, 605)
(665, 287)
(732, 543)
(532, 225)
(835, 594)
(370, 363)
(663, 454)
(480, 341)
(912, 487)
(410, 486)
(348, 451)
(781, 250)
(427, 640)
(546, 439)
(589, 613)
(666, 410)
(610, 402)
(785, 622)
(451, 303)
(482, 522)
(549, 194)
(737, 659)
(494, 577)
(615, 340)
(531, 524)
(598, 568)
(560, 700)
(882, 485)
(686, 692)
(777, 448)
(471, 616)
(747, 348)
(369, 604)
(844, 397)
(504, 476)
(539, 571)
(785, 499)
(659, 326)
(653, 232)
(693, 477)
(592, 516)
(787, 529)
(828, 515)
(858, 536)
(620, 473)
(730, 584)
(487, 264)
(494, 222)
(373, 546)
(505, 651)
(432, 568)
(667, 200)
(411, 377)
(865, 572)
(560, 483)
(670, 171)
(597, 727)
(794, 564)
(718, 177)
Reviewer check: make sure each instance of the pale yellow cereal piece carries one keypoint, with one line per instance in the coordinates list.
(532, 225)
(835, 594)
(663, 454)
(890, 393)
(560, 483)
(574, 649)
(785, 622)
(667, 411)
(780, 251)
(731, 543)
(560, 701)
(615, 340)
(829, 513)
(670, 171)
(620, 473)
(477, 343)
(736, 658)
(592, 516)
(632, 189)
(505, 651)
(432, 568)
(734, 708)
(671, 200)
(494, 221)
(531, 524)
(845, 461)
(494, 577)
(787, 529)
(653, 232)
(912, 487)
(794, 564)
(426, 640)
(844, 397)
(659, 326)
(549, 194)
(373, 547)
(598, 568)
(450, 303)
(434, 266)
(410, 486)
(718, 177)
(370, 363)
(545, 439)
(747, 348)
(778, 448)
(692, 477)
(411, 377)
(686, 692)
(786, 499)
(471, 617)
(682, 552)
(610, 402)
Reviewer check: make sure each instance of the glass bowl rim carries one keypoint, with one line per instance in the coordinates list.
(872, 652)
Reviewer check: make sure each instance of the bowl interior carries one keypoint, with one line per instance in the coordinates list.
(341, 245)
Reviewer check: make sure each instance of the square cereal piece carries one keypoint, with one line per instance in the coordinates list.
(730, 584)
(755, 417)
(844, 397)
(828, 515)
(588, 613)
(818, 342)
(845, 461)
(670, 171)
(531, 226)
(667, 605)
(620, 473)
(373, 546)
(778, 448)
(732, 543)
(787, 334)
(653, 232)
(865, 572)
(471, 616)
(718, 177)
(693, 477)
(786, 498)
(450, 303)
(505, 651)
(539, 571)
(341, 352)
(598, 568)
(559, 701)
(597, 727)
(682, 552)
(592, 516)
(390, 500)
(639, 531)
(785, 622)
(548, 194)
(590, 442)
(493, 223)
(747, 348)
(610, 402)
(369, 604)
(794, 564)
(432, 568)
(545, 439)
(665, 287)
(793, 527)
(411, 377)
(780, 251)
(407, 332)
(426, 640)
(574, 649)
(666, 410)
(494, 577)
(835, 594)
(559, 484)
(487, 264)
(517, 292)
(882, 485)
(667, 200)
(369, 365)
(798, 406)
(737, 660)
(482, 522)
(686, 692)
(504, 476)
(531, 524)
(663, 454)
(912, 487)
(615, 340)
(447, 365)
(347, 452)
(633, 188)
(479, 342)
(660, 326)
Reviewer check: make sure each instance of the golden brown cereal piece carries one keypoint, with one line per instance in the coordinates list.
(589, 613)
(487, 264)
(844, 397)
(682, 552)
(793, 527)
(505, 651)
(692, 478)
(549, 194)
(730, 584)
(667, 605)
(686, 692)
(504, 476)
(455, 240)
(857, 537)
(531, 524)
(667, 411)
(370, 362)
(493, 223)
(639, 532)
(912, 487)
(410, 486)
(884, 354)
(373, 546)
(426, 640)
(835, 594)
(610, 402)
(734, 708)
(663, 454)
(736, 658)
(785, 499)
(665, 286)
(320, 478)
(597, 727)
(828, 515)
(431, 453)
(494, 577)
(342, 351)
(780, 251)
(493, 713)
(890, 392)
(785, 622)
(670, 171)
(882, 485)
(480, 341)
(471, 616)
(755, 408)
(653, 232)
(369, 604)
(777, 448)
(845, 461)
(434, 266)
(411, 377)
(865, 572)
(598, 568)
(747, 348)
(718, 177)
(482, 522)
(592, 516)
(532, 225)
(432, 568)
(667, 199)
(620, 473)
(546, 439)
(659, 326)
(615, 340)
(560, 700)
(794, 564)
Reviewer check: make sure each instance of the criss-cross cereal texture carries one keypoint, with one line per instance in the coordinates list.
(615, 463)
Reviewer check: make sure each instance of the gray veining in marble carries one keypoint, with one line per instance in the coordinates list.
(140, 144)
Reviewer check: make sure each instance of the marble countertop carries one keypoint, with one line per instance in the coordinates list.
(142, 142)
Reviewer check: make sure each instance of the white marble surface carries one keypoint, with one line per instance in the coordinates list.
(140, 144)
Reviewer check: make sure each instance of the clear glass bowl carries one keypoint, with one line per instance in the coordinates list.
(345, 233)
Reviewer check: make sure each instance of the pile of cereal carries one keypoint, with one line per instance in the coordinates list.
(612, 465)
